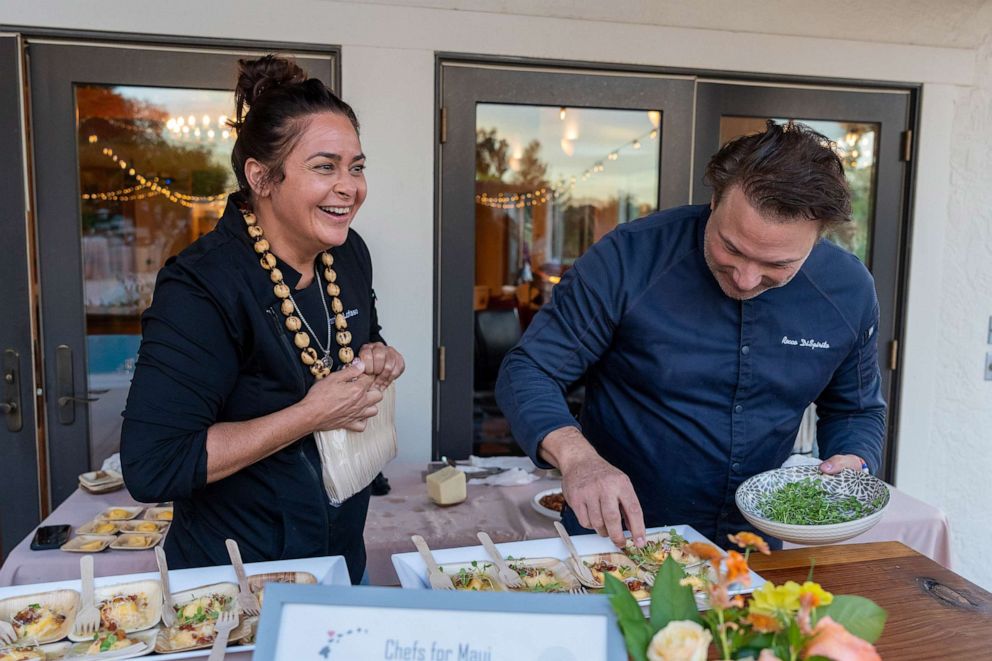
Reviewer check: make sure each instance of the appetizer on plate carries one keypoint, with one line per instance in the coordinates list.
(195, 620)
(136, 541)
(159, 514)
(144, 526)
(120, 513)
(98, 527)
(22, 653)
(474, 577)
(542, 574)
(38, 622)
(42, 617)
(88, 543)
(258, 582)
(657, 548)
(126, 612)
(620, 567)
(110, 641)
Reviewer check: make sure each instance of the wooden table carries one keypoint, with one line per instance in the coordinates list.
(933, 612)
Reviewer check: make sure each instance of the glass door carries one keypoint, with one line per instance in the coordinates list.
(869, 130)
(20, 503)
(536, 166)
(132, 164)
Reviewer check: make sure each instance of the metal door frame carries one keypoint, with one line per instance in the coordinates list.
(890, 109)
(21, 501)
(473, 83)
(58, 257)
(900, 272)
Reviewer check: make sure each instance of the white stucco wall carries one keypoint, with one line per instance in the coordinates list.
(388, 75)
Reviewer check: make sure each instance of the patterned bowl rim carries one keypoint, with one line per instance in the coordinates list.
(801, 527)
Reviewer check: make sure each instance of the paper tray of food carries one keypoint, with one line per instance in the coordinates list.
(330, 570)
(413, 573)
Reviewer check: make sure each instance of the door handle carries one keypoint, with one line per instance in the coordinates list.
(65, 399)
(65, 389)
(11, 405)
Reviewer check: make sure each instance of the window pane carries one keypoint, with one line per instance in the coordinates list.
(154, 172)
(549, 182)
(855, 144)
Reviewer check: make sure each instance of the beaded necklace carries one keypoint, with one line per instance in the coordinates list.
(319, 366)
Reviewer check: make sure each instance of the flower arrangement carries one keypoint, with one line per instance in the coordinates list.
(780, 622)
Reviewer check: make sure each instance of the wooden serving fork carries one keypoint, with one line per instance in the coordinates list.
(168, 609)
(581, 571)
(227, 621)
(506, 574)
(437, 578)
(247, 602)
(88, 619)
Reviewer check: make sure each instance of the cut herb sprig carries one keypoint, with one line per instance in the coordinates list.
(807, 502)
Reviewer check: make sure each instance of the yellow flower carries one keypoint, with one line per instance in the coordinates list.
(680, 640)
(820, 596)
(770, 598)
(745, 540)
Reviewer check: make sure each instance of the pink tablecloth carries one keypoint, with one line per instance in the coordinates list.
(504, 512)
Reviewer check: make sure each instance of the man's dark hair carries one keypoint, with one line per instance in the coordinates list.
(789, 172)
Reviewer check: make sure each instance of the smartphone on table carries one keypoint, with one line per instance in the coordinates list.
(50, 537)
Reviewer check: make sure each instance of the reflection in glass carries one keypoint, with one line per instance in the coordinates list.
(855, 144)
(549, 182)
(154, 172)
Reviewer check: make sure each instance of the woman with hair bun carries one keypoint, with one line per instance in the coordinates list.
(259, 334)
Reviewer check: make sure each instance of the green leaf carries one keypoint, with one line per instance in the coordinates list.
(636, 632)
(669, 600)
(860, 616)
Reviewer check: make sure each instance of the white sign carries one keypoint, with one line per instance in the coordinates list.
(370, 633)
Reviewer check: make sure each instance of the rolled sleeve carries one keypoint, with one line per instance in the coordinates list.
(188, 363)
(851, 409)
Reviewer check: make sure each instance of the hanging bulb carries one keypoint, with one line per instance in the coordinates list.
(561, 113)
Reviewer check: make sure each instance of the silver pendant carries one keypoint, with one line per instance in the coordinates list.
(327, 361)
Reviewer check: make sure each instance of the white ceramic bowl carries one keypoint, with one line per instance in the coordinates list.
(866, 488)
(535, 503)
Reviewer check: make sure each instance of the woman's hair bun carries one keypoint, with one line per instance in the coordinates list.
(257, 76)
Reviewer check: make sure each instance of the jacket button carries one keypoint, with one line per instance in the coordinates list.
(745, 349)
(736, 466)
(738, 408)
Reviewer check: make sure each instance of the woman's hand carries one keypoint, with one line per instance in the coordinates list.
(344, 399)
(384, 364)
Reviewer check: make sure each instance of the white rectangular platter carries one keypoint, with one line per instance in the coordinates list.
(412, 571)
(330, 570)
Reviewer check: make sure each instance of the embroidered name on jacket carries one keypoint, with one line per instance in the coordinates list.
(350, 313)
(803, 342)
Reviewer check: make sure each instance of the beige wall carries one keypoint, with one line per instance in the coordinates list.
(388, 75)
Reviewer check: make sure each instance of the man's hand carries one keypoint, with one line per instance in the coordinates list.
(384, 364)
(839, 462)
(600, 494)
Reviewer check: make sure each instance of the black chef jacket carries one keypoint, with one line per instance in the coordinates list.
(214, 349)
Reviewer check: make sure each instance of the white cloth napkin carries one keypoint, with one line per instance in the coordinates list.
(506, 463)
(510, 478)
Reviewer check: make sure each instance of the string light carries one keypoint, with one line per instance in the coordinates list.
(151, 188)
(542, 195)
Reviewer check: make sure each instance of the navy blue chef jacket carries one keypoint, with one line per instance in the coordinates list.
(214, 349)
(690, 392)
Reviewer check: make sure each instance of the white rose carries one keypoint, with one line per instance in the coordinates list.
(681, 640)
